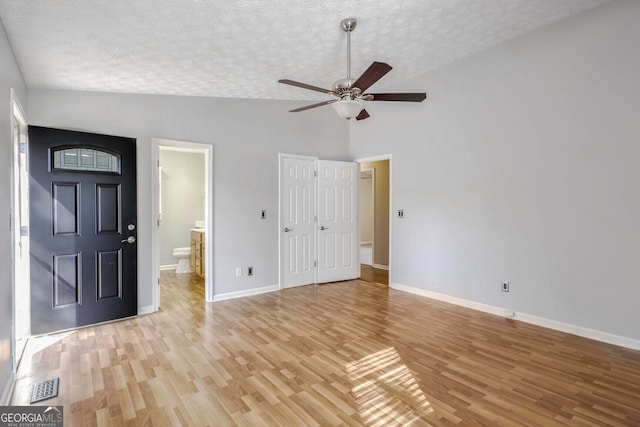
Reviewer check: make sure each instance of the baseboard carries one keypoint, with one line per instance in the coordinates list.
(245, 293)
(593, 334)
(381, 267)
(5, 399)
(147, 309)
(168, 267)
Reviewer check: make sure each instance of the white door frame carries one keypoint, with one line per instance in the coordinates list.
(376, 159)
(207, 149)
(17, 198)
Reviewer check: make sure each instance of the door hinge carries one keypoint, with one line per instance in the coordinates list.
(315, 218)
(315, 173)
(158, 163)
(24, 147)
(24, 231)
(315, 263)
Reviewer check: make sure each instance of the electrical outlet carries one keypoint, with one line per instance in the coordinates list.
(400, 213)
(263, 214)
(249, 271)
(238, 271)
(505, 286)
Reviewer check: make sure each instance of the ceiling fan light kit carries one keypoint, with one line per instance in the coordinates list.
(347, 109)
(351, 92)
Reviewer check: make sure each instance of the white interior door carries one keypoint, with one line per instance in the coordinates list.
(297, 220)
(337, 221)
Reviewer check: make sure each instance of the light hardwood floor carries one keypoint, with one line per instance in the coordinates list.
(369, 273)
(349, 353)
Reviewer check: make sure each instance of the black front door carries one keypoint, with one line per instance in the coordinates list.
(82, 195)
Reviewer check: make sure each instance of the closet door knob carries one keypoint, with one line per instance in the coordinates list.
(287, 229)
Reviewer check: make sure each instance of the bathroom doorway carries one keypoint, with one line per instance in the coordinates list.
(182, 229)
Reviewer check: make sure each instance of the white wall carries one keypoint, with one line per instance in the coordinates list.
(10, 77)
(182, 200)
(246, 136)
(523, 165)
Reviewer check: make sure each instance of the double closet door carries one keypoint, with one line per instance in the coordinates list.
(318, 220)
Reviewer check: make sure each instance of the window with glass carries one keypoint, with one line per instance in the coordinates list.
(86, 159)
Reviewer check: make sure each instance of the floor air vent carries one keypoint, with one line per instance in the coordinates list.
(44, 390)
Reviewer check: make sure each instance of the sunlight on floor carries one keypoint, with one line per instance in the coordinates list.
(386, 392)
(34, 345)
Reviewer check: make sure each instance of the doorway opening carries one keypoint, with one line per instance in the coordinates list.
(374, 199)
(182, 205)
(20, 214)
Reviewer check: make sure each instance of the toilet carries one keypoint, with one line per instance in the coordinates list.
(183, 255)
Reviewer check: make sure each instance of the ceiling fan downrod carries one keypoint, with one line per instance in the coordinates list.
(348, 25)
(342, 87)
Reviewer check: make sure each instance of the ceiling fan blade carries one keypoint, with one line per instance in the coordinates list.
(304, 85)
(372, 74)
(308, 107)
(363, 115)
(406, 97)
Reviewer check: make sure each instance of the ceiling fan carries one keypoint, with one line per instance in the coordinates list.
(351, 92)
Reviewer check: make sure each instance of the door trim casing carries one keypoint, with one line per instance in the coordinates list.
(16, 112)
(207, 149)
(376, 159)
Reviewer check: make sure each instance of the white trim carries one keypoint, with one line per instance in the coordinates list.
(246, 293)
(373, 158)
(581, 331)
(207, 149)
(168, 267)
(17, 119)
(366, 243)
(5, 399)
(146, 309)
(381, 267)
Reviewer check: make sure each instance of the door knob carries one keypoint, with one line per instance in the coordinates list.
(129, 239)
(287, 229)
(322, 228)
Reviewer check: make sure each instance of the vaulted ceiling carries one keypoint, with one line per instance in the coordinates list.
(241, 48)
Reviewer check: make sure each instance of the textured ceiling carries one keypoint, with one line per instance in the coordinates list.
(241, 48)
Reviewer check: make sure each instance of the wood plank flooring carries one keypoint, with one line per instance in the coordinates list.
(369, 273)
(349, 353)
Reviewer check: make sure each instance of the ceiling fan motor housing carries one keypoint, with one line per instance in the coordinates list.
(343, 88)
